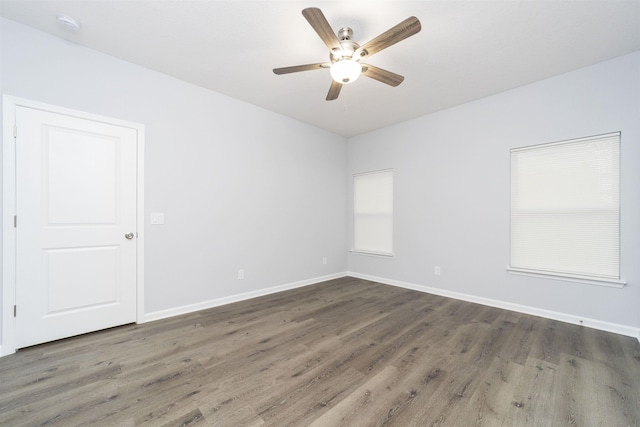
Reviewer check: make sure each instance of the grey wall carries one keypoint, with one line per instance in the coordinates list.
(240, 187)
(451, 182)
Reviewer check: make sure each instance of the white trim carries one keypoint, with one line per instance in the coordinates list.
(372, 172)
(567, 141)
(8, 231)
(554, 315)
(185, 309)
(140, 237)
(610, 283)
(9, 105)
(370, 253)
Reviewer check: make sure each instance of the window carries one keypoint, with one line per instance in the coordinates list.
(373, 212)
(565, 209)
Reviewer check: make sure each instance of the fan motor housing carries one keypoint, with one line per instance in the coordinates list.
(348, 46)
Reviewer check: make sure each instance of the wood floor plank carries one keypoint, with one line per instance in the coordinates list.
(492, 400)
(363, 405)
(345, 352)
(531, 398)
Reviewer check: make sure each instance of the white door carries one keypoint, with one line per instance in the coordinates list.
(76, 218)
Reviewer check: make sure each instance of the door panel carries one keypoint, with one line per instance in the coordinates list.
(67, 292)
(91, 200)
(76, 200)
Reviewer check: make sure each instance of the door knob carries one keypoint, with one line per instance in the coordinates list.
(129, 236)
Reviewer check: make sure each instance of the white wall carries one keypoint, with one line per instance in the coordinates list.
(451, 185)
(240, 187)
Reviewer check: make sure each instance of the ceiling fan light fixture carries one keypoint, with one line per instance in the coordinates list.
(345, 54)
(345, 71)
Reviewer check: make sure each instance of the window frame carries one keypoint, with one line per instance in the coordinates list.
(364, 251)
(601, 280)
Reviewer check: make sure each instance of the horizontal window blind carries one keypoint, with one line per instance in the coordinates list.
(565, 208)
(373, 212)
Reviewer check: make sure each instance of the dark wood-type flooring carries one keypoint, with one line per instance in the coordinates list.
(341, 353)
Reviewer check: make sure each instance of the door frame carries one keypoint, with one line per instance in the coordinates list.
(9, 106)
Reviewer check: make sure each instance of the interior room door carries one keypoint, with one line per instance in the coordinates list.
(75, 231)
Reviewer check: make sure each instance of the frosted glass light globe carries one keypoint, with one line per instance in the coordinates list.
(345, 71)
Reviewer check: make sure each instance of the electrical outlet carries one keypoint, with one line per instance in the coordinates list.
(157, 218)
(324, 260)
(241, 274)
(436, 270)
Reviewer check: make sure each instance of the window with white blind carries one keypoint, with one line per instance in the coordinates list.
(565, 209)
(373, 213)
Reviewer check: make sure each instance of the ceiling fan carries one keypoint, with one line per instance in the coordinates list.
(345, 54)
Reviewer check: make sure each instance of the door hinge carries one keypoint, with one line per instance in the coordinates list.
(15, 131)
(15, 221)
(15, 311)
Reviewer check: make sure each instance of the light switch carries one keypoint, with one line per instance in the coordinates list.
(157, 218)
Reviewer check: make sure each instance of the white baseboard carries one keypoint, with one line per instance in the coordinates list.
(163, 314)
(554, 315)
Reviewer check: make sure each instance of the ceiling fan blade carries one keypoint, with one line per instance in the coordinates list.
(316, 19)
(384, 76)
(297, 68)
(406, 28)
(334, 90)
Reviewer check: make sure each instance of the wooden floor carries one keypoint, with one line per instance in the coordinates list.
(345, 352)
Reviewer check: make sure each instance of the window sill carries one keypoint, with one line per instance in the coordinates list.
(374, 254)
(610, 283)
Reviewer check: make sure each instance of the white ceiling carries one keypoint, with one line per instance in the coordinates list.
(465, 51)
